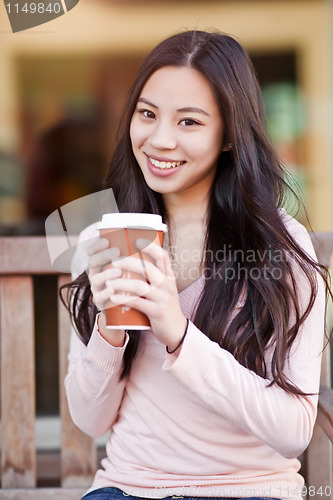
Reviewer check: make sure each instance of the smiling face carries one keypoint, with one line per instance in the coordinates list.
(176, 131)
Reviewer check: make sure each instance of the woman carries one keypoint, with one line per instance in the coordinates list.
(219, 397)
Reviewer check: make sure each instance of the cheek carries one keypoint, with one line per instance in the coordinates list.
(136, 133)
(133, 132)
(208, 148)
(214, 145)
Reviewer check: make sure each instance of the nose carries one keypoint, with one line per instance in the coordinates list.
(163, 136)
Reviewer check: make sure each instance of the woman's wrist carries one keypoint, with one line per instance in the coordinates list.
(114, 337)
(171, 349)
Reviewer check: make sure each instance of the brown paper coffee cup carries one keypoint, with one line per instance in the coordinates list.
(122, 230)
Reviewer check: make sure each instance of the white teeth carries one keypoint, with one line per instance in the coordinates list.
(165, 164)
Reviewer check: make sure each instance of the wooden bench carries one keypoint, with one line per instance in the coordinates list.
(20, 259)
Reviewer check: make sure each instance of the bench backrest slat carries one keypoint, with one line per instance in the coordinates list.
(18, 382)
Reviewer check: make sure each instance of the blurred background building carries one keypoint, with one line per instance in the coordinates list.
(64, 83)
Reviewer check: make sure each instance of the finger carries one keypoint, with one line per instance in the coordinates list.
(98, 280)
(156, 252)
(102, 289)
(97, 246)
(102, 299)
(103, 257)
(167, 266)
(132, 286)
(142, 267)
(125, 299)
(139, 303)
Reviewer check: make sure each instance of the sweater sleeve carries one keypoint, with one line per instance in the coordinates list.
(281, 420)
(93, 389)
(94, 392)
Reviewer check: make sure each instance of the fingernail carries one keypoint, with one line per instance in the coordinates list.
(142, 243)
(115, 251)
(105, 242)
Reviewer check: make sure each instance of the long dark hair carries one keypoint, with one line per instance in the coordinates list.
(243, 216)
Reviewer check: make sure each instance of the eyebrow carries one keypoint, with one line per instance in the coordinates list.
(187, 109)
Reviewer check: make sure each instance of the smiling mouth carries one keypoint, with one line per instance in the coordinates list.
(165, 164)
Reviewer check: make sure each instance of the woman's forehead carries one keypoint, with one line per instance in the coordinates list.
(178, 86)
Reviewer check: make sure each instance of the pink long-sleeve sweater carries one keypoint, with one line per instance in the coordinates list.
(196, 422)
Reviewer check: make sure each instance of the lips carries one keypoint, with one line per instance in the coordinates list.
(163, 167)
(165, 164)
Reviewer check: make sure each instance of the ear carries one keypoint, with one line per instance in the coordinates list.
(227, 147)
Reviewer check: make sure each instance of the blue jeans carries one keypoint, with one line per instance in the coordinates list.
(116, 494)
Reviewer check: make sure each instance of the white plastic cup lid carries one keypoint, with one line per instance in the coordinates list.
(132, 220)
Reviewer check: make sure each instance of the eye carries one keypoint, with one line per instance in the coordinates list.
(147, 113)
(189, 121)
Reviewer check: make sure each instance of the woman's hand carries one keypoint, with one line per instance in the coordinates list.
(157, 296)
(101, 255)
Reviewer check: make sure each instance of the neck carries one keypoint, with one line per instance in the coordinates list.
(187, 206)
(180, 209)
